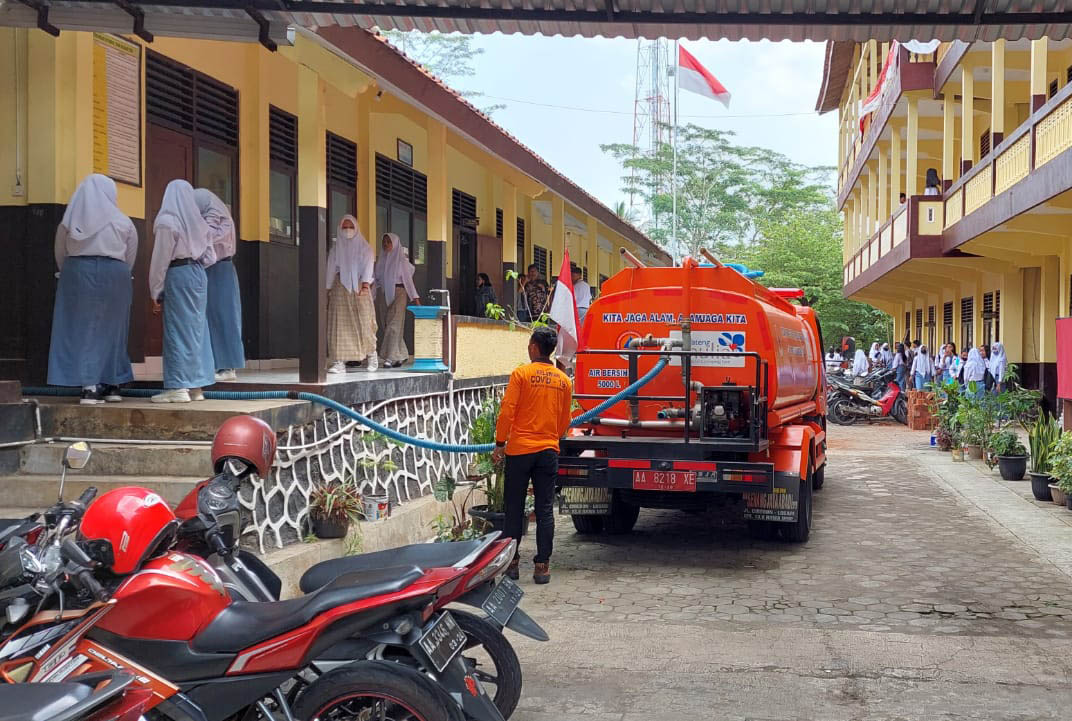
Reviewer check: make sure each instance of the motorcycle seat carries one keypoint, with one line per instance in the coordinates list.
(246, 623)
(421, 555)
(39, 701)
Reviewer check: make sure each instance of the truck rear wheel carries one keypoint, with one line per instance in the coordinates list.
(800, 530)
(818, 478)
(623, 516)
(588, 525)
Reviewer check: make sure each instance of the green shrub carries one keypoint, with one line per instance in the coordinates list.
(1006, 443)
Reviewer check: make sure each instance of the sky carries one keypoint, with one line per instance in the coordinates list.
(528, 74)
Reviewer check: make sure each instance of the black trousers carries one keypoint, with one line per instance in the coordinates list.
(542, 469)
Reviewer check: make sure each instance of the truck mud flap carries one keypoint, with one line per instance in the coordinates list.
(780, 505)
(584, 501)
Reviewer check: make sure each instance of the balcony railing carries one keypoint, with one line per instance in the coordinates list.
(914, 230)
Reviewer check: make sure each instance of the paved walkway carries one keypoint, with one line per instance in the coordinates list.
(929, 590)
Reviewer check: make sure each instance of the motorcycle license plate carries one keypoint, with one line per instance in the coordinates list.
(442, 641)
(503, 601)
(664, 480)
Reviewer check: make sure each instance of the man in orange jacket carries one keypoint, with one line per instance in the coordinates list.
(535, 414)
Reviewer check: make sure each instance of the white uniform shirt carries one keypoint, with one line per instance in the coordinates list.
(583, 293)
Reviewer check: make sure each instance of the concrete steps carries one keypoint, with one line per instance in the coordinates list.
(41, 491)
(122, 459)
(138, 419)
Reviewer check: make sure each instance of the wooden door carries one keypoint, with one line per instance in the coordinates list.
(489, 260)
(169, 156)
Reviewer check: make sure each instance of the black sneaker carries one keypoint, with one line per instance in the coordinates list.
(110, 393)
(90, 397)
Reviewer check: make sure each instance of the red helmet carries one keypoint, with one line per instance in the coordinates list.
(134, 523)
(246, 438)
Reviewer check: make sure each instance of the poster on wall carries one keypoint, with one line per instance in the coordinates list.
(1064, 358)
(117, 108)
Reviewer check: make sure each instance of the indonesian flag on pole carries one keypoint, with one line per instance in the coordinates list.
(695, 77)
(872, 101)
(564, 313)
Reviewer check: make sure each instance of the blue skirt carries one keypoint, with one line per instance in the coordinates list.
(187, 343)
(225, 316)
(90, 322)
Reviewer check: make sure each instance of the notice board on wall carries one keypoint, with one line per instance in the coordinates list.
(117, 108)
(1064, 358)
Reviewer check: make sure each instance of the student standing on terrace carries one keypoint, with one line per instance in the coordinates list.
(95, 249)
(224, 301)
(351, 317)
(534, 415)
(178, 283)
(394, 275)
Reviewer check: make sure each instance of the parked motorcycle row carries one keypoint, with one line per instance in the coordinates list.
(873, 397)
(119, 608)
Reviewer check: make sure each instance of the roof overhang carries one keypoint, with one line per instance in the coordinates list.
(265, 20)
(837, 65)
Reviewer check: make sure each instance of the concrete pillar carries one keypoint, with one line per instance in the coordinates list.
(912, 157)
(949, 108)
(366, 171)
(439, 219)
(1038, 84)
(967, 120)
(997, 92)
(883, 192)
(312, 224)
(1012, 314)
(558, 234)
(895, 170)
(1049, 310)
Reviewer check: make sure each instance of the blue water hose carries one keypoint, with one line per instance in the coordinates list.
(351, 413)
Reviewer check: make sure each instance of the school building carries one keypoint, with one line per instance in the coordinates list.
(334, 121)
(987, 254)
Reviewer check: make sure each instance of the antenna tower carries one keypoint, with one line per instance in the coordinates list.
(651, 104)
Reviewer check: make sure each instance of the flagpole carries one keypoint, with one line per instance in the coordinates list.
(673, 140)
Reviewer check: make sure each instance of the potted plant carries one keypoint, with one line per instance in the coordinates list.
(457, 526)
(1042, 437)
(332, 507)
(1011, 455)
(956, 448)
(492, 514)
(1061, 468)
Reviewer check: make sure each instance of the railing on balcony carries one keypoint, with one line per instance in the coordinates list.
(922, 214)
(1043, 137)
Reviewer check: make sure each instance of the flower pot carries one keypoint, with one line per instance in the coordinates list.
(1040, 486)
(1012, 468)
(958, 455)
(1059, 497)
(975, 453)
(329, 527)
(494, 520)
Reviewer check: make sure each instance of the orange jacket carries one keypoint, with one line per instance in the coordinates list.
(535, 409)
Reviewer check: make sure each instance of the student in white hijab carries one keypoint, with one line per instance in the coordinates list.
(177, 281)
(860, 366)
(95, 250)
(887, 355)
(974, 370)
(224, 300)
(394, 275)
(875, 354)
(922, 368)
(998, 364)
(351, 316)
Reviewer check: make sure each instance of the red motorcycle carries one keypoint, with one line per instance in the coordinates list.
(853, 404)
(93, 697)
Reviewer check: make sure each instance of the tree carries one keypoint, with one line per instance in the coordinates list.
(623, 211)
(448, 57)
(724, 191)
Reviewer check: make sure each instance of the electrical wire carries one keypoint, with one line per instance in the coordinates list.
(626, 112)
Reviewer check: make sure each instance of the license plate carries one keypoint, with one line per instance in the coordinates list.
(664, 480)
(442, 641)
(502, 602)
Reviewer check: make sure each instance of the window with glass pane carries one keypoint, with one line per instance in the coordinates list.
(281, 204)
(215, 171)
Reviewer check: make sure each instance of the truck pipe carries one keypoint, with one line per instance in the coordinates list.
(711, 258)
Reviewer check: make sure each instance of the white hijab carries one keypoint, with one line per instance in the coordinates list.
(859, 363)
(875, 353)
(998, 362)
(975, 366)
(887, 354)
(93, 207)
(351, 258)
(180, 214)
(393, 266)
(922, 363)
(219, 219)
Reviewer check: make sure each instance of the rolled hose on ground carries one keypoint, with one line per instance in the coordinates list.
(585, 417)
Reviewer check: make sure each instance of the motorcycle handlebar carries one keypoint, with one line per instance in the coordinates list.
(87, 579)
(86, 498)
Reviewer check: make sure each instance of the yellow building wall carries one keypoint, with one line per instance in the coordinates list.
(472, 359)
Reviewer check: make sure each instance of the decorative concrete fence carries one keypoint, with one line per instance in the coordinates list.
(335, 449)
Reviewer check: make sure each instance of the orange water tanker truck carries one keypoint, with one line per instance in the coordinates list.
(737, 417)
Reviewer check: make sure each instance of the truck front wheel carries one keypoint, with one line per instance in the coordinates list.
(588, 525)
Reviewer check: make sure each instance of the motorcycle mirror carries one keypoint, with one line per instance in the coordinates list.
(77, 455)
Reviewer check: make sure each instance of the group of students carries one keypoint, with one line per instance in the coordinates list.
(917, 367)
(354, 278)
(192, 281)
